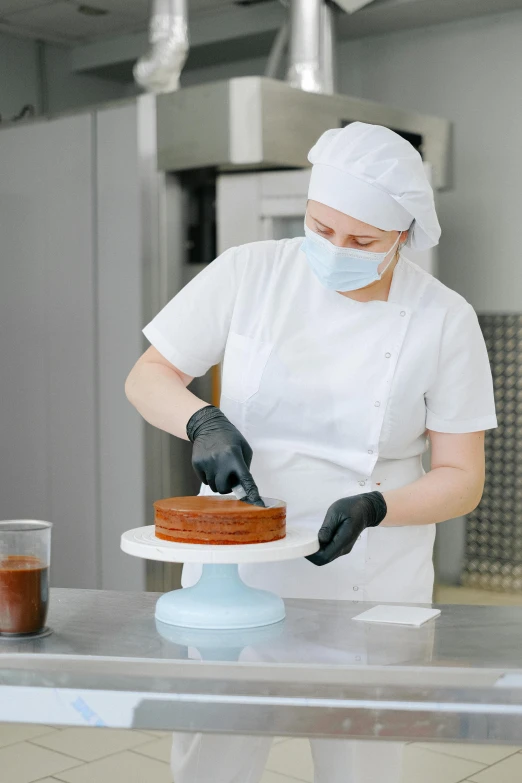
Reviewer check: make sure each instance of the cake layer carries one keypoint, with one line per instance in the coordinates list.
(218, 520)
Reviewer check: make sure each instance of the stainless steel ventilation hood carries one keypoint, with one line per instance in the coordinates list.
(254, 123)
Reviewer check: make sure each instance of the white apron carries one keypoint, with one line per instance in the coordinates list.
(311, 401)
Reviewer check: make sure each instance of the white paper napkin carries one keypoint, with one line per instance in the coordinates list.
(400, 615)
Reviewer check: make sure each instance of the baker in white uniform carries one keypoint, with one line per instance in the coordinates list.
(342, 360)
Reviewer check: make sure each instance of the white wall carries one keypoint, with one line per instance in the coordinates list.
(67, 90)
(18, 75)
(20, 80)
(470, 72)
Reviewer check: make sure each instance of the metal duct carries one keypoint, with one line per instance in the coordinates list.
(327, 47)
(160, 69)
(311, 46)
(305, 64)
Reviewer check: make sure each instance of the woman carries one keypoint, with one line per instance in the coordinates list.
(342, 360)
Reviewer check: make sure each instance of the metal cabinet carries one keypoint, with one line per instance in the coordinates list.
(83, 269)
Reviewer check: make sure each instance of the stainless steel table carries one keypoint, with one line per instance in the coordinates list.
(319, 673)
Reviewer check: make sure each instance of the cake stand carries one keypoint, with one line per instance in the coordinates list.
(222, 644)
(220, 600)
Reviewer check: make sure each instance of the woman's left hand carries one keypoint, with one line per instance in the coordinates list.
(344, 522)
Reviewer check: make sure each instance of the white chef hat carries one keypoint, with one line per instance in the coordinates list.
(374, 175)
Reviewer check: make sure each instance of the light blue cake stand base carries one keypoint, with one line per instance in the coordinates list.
(220, 600)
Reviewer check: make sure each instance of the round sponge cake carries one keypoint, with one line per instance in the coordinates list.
(214, 520)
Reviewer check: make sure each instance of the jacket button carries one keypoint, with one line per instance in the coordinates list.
(387, 355)
(355, 588)
(370, 451)
(377, 404)
(403, 313)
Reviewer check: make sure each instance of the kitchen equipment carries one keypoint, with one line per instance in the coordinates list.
(220, 600)
(25, 553)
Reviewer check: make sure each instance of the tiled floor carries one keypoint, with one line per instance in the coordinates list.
(46, 754)
(114, 756)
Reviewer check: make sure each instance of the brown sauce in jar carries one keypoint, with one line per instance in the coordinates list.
(24, 594)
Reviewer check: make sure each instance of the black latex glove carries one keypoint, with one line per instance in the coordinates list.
(221, 456)
(344, 522)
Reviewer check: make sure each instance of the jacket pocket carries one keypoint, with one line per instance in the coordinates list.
(243, 366)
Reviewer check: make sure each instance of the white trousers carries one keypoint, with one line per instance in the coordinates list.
(219, 758)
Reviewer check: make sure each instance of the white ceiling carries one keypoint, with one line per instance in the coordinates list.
(61, 21)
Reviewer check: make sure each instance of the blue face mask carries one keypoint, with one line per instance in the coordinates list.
(343, 268)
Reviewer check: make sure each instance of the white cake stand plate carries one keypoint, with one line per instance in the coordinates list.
(220, 600)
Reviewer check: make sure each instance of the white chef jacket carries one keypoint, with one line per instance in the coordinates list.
(335, 397)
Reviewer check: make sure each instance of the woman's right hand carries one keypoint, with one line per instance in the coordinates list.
(221, 456)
